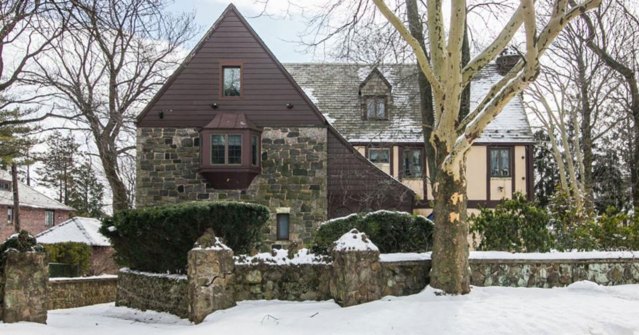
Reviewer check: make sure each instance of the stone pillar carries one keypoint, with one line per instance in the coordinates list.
(357, 276)
(25, 277)
(210, 272)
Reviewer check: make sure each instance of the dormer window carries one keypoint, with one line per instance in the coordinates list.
(230, 151)
(376, 108)
(231, 81)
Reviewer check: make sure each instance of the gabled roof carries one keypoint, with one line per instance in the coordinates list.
(77, 229)
(29, 197)
(376, 73)
(334, 89)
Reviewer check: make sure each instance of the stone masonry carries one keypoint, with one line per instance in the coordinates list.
(25, 280)
(294, 169)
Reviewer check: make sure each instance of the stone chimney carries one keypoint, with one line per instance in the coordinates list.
(507, 60)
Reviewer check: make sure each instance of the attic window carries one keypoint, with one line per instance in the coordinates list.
(231, 81)
(500, 162)
(375, 108)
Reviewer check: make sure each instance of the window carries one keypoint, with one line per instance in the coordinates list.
(377, 155)
(48, 218)
(232, 76)
(413, 163)
(500, 162)
(9, 215)
(254, 150)
(283, 226)
(5, 185)
(226, 149)
(376, 108)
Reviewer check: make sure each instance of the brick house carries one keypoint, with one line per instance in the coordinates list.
(37, 211)
(233, 123)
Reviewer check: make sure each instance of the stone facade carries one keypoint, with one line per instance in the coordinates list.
(282, 282)
(24, 287)
(153, 291)
(356, 277)
(31, 220)
(78, 292)
(294, 163)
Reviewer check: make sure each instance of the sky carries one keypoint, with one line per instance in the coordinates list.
(280, 33)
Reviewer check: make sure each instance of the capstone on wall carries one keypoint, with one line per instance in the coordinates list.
(294, 163)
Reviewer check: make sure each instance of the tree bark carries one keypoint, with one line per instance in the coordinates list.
(450, 270)
(16, 198)
(586, 129)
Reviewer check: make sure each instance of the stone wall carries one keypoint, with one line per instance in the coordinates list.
(553, 273)
(295, 282)
(77, 292)
(24, 287)
(163, 293)
(294, 163)
(404, 277)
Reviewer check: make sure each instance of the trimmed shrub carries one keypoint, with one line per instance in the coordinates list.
(157, 239)
(515, 225)
(72, 253)
(390, 231)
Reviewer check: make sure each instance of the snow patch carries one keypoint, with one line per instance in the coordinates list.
(554, 255)
(153, 274)
(217, 245)
(354, 241)
(405, 257)
(280, 257)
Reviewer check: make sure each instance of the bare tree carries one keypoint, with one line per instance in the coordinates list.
(114, 56)
(614, 37)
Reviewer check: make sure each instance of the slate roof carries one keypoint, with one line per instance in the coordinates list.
(77, 229)
(334, 89)
(29, 197)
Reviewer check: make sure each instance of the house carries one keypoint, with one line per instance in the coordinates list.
(37, 211)
(87, 231)
(233, 123)
(377, 109)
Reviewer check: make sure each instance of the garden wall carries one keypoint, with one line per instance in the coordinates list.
(163, 293)
(78, 292)
(295, 282)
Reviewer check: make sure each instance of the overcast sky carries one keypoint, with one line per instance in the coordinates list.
(279, 33)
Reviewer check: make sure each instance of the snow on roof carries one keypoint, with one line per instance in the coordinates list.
(354, 240)
(335, 91)
(77, 229)
(29, 197)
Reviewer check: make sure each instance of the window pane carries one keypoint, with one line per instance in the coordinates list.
(235, 149)
(381, 108)
(48, 218)
(231, 81)
(10, 214)
(282, 226)
(500, 162)
(254, 150)
(379, 155)
(370, 108)
(217, 149)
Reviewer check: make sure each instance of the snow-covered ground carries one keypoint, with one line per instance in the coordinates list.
(582, 308)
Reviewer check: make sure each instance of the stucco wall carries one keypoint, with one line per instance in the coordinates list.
(294, 163)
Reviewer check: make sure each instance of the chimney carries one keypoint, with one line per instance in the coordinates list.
(507, 60)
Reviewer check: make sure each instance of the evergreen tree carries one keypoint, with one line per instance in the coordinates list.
(14, 140)
(87, 192)
(545, 169)
(58, 164)
(609, 186)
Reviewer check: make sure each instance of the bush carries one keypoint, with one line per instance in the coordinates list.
(613, 230)
(515, 225)
(73, 253)
(157, 239)
(390, 231)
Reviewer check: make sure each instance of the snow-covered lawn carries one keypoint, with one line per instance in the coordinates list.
(582, 308)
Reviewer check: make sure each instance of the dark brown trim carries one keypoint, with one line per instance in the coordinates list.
(487, 173)
(400, 162)
(512, 171)
(501, 144)
(489, 168)
(230, 63)
(482, 203)
(530, 193)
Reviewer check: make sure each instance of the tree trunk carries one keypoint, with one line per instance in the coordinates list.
(109, 160)
(450, 270)
(586, 129)
(16, 198)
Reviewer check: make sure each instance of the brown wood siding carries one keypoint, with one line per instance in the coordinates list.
(356, 185)
(185, 100)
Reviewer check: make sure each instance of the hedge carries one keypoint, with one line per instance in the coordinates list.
(157, 239)
(390, 231)
(72, 253)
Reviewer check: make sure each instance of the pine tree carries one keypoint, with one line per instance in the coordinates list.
(545, 169)
(58, 164)
(87, 192)
(14, 140)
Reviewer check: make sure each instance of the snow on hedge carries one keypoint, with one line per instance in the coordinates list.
(503, 255)
(280, 257)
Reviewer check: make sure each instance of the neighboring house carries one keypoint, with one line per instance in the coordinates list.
(231, 123)
(37, 211)
(87, 231)
(377, 109)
